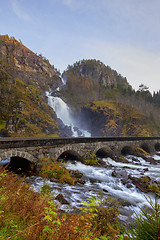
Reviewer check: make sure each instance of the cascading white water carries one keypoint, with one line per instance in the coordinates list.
(101, 178)
(61, 109)
(113, 185)
(63, 112)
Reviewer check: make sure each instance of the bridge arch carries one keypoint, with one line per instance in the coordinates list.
(21, 154)
(145, 147)
(157, 146)
(70, 155)
(19, 161)
(127, 150)
(103, 152)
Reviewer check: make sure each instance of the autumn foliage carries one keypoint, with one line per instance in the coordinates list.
(25, 214)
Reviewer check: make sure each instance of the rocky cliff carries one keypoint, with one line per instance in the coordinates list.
(23, 63)
(110, 118)
(24, 78)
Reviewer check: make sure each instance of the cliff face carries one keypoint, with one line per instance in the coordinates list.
(109, 118)
(24, 78)
(23, 63)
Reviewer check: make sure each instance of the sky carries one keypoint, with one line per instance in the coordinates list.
(123, 34)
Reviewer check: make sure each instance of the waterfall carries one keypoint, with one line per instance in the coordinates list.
(66, 115)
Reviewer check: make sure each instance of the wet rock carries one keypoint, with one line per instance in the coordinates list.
(122, 159)
(141, 183)
(114, 174)
(77, 174)
(146, 169)
(81, 181)
(104, 190)
(129, 185)
(150, 159)
(126, 212)
(79, 132)
(61, 199)
(101, 162)
(79, 177)
(123, 181)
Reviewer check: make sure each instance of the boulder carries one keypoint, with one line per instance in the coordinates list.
(61, 199)
(114, 173)
(77, 174)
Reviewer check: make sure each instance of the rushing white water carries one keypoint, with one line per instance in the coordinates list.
(101, 178)
(64, 113)
(107, 182)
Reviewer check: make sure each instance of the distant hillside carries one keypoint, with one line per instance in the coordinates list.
(89, 79)
(24, 78)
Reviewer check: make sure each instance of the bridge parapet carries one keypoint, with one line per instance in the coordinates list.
(34, 149)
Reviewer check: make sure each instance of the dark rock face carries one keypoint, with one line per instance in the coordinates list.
(93, 122)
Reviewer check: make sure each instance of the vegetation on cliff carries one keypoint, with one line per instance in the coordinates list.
(22, 111)
(24, 77)
(110, 118)
(89, 79)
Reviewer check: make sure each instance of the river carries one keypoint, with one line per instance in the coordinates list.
(101, 178)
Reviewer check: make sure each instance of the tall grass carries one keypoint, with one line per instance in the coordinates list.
(27, 215)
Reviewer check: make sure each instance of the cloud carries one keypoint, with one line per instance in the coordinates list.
(137, 64)
(71, 4)
(17, 9)
(75, 5)
(68, 3)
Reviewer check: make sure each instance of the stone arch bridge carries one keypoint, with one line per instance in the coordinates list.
(31, 150)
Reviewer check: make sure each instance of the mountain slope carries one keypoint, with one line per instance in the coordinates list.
(89, 79)
(24, 78)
